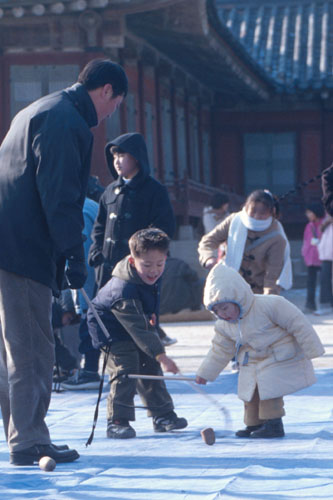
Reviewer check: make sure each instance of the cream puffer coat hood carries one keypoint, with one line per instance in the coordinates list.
(224, 284)
(276, 340)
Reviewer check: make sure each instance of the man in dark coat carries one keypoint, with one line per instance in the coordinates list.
(133, 201)
(44, 169)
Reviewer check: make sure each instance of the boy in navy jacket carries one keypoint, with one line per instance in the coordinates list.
(129, 307)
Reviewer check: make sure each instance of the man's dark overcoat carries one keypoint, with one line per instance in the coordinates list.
(44, 169)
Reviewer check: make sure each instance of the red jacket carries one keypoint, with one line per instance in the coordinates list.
(309, 250)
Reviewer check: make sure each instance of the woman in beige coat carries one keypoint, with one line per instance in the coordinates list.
(257, 246)
(273, 343)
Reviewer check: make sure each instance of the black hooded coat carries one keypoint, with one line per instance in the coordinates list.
(124, 208)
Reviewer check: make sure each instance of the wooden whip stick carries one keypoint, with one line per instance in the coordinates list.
(207, 434)
(159, 377)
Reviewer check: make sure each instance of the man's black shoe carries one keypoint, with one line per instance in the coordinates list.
(29, 456)
(60, 447)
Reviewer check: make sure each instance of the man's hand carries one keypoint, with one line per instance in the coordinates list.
(167, 363)
(96, 258)
(200, 380)
(76, 269)
(76, 274)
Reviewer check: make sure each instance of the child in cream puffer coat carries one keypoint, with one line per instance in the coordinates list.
(273, 343)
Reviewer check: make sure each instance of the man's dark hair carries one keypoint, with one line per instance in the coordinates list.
(100, 72)
(148, 239)
(219, 199)
(317, 208)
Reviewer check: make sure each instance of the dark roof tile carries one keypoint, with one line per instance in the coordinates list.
(292, 40)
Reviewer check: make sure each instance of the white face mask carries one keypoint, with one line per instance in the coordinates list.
(255, 224)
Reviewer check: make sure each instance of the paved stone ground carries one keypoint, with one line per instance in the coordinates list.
(194, 330)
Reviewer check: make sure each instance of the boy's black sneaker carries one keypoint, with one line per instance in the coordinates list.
(270, 429)
(245, 433)
(166, 341)
(169, 422)
(29, 456)
(120, 429)
(82, 380)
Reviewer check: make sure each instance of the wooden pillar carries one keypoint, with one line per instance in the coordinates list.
(141, 98)
(4, 97)
(174, 129)
(326, 136)
(159, 151)
(187, 133)
(200, 141)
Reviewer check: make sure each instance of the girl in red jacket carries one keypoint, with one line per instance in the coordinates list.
(312, 233)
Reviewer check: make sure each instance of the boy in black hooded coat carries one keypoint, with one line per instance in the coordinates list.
(126, 206)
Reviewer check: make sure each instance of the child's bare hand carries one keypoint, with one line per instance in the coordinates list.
(152, 319)
(168, 365)
(200, 380)
(210, 262)
(67, 318)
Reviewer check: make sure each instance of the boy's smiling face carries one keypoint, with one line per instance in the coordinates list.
(229, 311)
(149, 265)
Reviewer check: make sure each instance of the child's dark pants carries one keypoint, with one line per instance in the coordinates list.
(125, 357)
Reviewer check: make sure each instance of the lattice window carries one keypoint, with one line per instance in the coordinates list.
(269, 162)
(30, 82)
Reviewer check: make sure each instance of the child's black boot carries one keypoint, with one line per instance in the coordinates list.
(245, 433)
(119, 429)
(270, 429)
(168, 422)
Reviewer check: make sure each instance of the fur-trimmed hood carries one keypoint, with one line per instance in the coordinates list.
(273, 341)
(224, 284)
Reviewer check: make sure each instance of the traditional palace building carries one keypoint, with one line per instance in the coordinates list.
(230, 95)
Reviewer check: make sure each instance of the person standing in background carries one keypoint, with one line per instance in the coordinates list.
(216, 212)
(327, 188)
(133, 201)
(87, 377)
(325, 251)
(312, 234)
(214, 215)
